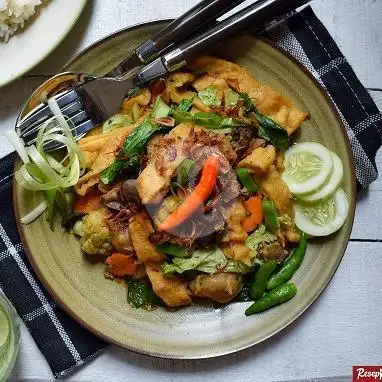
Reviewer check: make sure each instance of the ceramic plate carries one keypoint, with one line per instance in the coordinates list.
(40, 36)
(199, 331)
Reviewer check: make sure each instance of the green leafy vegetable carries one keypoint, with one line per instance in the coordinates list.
(209, 96)
(235, 266)
(182, 116)
(208, 260)
(185, 104)
(209, 120)
(160, 109)
(215, 121)
(140, 295)
(231, 98)
(184, 171)
(109, 174)
(261, 235)
(173, 250)
(271, 222)
(118, 120)
(134, 144)
(268, 128)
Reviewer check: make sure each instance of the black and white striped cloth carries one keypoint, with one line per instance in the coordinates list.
(64, 343)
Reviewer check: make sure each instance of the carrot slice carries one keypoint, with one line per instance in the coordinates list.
(121, 265)
(89, 202)
(255, 211)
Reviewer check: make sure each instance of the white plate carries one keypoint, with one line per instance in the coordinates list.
(30, 46)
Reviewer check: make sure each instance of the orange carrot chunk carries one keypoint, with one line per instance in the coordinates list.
(121, 265)
(197, 197)
(255, 212)
(89, 202)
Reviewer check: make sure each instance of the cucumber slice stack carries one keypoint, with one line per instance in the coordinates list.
(314, 174)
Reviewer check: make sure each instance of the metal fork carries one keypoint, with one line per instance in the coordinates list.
(205, 12)
(98, 99)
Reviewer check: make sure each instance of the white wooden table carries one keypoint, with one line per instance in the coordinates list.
(343, 328)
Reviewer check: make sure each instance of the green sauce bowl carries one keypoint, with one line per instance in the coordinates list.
(9, 337)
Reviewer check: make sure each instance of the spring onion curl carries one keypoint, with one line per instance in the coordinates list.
(40, 171)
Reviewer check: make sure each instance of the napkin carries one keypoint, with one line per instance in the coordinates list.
(65, 344)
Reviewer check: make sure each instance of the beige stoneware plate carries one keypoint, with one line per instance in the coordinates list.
(197, 331)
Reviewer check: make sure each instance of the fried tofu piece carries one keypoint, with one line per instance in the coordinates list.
(153, 184)
(272, 185)
(109, 146)
(100, 150)
(219, 84)
(172, 290)
(142, 99)
(220, 287)
(174, 83)
(237, 251)
(259, 160)
(140, 230)
(268, 101)
(235, 215)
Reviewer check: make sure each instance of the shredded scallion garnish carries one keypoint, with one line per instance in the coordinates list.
(41, 171)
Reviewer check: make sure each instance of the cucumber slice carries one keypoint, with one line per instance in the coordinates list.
(331, 185)
(307, 167)
(324, 217)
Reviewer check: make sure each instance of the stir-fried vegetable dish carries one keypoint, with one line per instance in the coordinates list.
(193, 190)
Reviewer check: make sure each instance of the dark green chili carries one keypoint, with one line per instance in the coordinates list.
(246, 179)
(277, 296)
(289, 268)
(259, 283)
(270, 216)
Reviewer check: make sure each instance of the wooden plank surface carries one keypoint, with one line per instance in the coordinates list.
(343, 327)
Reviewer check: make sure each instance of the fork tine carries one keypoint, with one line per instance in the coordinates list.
(81, 130)
(76, 120)
(68, 111)
(41, 114)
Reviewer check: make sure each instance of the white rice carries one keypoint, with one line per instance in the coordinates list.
(13, 14)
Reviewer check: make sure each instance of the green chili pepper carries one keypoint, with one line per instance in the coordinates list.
(289, 268)
(184, 171)
(271, 222)
(277, 296)
(173, 250)
(259, 283)
(246, 179)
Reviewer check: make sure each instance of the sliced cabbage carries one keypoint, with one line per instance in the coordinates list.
(209, 96)
(208, 260)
